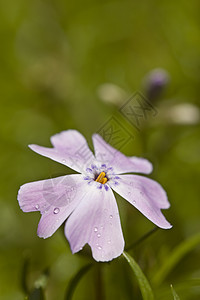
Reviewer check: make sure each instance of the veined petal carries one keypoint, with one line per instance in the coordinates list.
(146, 195)
(55, 198)
(96, 221)
(70, 149)
(120, 162)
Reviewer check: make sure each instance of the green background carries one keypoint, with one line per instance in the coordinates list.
(55, 58)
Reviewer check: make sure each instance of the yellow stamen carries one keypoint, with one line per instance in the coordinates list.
(101, 178)
(104, 180)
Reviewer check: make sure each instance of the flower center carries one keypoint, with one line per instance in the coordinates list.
(102, 178)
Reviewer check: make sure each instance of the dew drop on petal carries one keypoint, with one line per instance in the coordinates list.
(98, 235)
(111, 216)
(63, 161)
(56, 210)
(37, 206)
(99, 247)
(109, 241)
(134, 202)
(95, 229)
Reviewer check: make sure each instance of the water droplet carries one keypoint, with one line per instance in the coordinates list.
(134, 202)
(56, 210)
(37, 206)
(110, 224)
(99, 235)
(95, 229)
(109, 241)
(101, 227)
(111, 216)
(99, 247)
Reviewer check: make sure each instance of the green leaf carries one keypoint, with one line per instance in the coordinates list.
(176, 297)
(179, 252)
(74, 282)
(145, 287)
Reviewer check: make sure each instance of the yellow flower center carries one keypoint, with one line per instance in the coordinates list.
(102, 178)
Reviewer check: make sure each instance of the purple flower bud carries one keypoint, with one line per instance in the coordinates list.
(155, 82)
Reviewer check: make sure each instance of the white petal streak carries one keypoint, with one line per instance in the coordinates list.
(96, 222)
(146, 195)
(70, 149)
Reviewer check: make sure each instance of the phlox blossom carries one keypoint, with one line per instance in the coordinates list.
(86, 200)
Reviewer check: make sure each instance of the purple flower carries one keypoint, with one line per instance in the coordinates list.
(86, 200)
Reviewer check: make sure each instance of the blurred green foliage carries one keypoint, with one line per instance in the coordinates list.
(55, 56)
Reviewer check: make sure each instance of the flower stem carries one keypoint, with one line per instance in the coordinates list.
(144, 237)
(99, 283)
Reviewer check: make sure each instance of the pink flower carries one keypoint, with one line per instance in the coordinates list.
(86, 200)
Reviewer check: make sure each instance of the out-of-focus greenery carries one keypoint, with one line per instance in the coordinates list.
(56, 59)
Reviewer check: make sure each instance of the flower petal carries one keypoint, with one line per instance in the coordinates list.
(96, 221)
(55, 198)
(146, 195)
(70, 149)
(120, 162)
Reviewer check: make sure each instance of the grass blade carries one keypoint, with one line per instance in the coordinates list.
(145, 287)
(74, 282)
(179, 252)
(176, 297)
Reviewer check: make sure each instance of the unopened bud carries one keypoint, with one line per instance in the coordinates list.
(155, 82)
